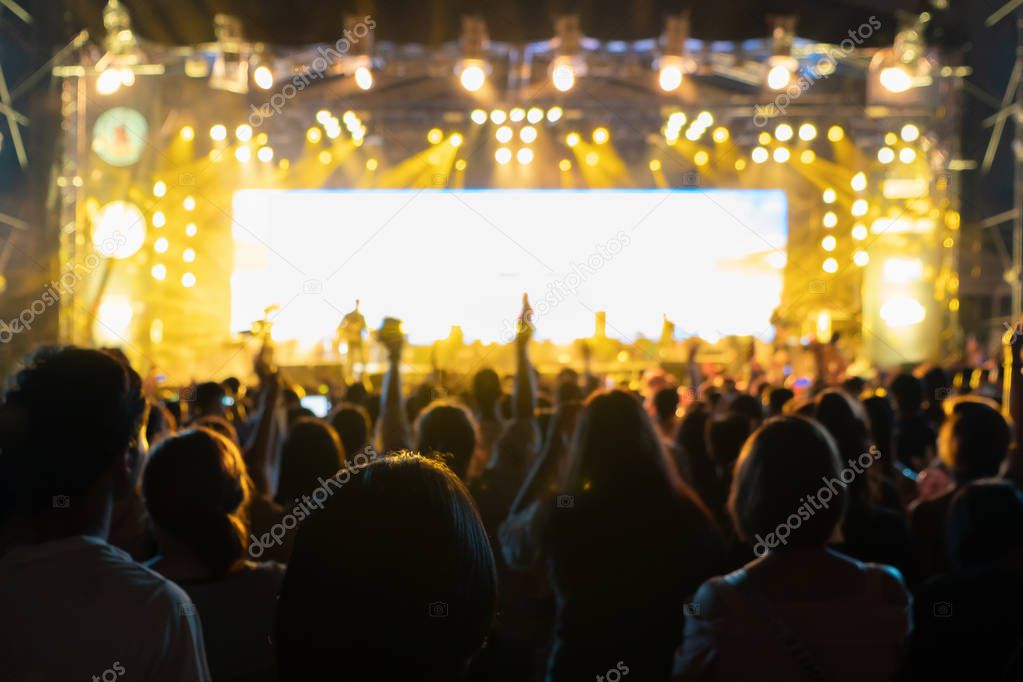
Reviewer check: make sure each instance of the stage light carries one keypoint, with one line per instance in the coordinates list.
(670, 77)
(829, 220)
(720, 134)
(859, 181)
(516, 115)
(764, 138)
(676, 120)
(902, 270)
(835, 133)
(902, 311)
(779, 76)
(188, 255)
(655, 165)
(563, 76)
(740, 164)
(896, 79)
(829, 196)
(497, 116)
(364, 77)
(777, 260)
(694, 132)
(113, 318)
(885, 155)
(187, 133)
(534, 115)
(323, 116)
(265, 154)
(188, 280)
(601, 135)
(572, 139)
(189, 203)
(218, 133)
(565, 165)
(783, 132)
(830, 265)
(829, 243)
(371, 164)
(325, 157)
(435, 136)
(525, 156)
(807, 132)
(701, 158)
(262, 139)
(284, 164)
(313, 135)
(243, 154)
(333, 130)
(159, 219)
(504, 134)
(161, 245)
(473, 75)
(592, 159)
(119, 231)
(891, 139)
(859, 232)
(807, 156)
(910, 132)
(263, 77)
(907, 155)
(456, 140)
(705, 119)
(948, 243)
(861, 258)
(759, 155)
(781, 154)
(191, 230)
(527, 134)
(243, 132)
(159, 272)
(460, 165)
(503, 155)
(478, 116)
(109, 81)
(159, 188)
(554, 114)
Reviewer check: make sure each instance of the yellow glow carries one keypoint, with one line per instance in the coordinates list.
(313, 135)
(218, 133)
(907, 155)
(592, 159)
(740, 164)
(860, 207)
(764, 137)
(859, 181)
(504, 134)
(364, 78)
(284, 164)
(701, 158)
(891, 139)
(188, 255)
(503, 155)
(109, 81)
(676, 120)
(565, 165)
(324, 157)
(861, 258)
(159, 271)
(554, 114)
(265, 154)
(525, 156)
(885, 155)
(601, 135)
(263, 77)
(829, 195)
(829, 243)
(456, 140)
(910, 132)
(783, 132)
(372, 164)
(159, 219)
(807, 156)
(953, 305)
(669, 78)
(191, 230)
(759, 155)
(473, 77)
(159, 188)
(563, 77)
(114, 317)
(527, 134)
(720, 134)
(572, 139)
(161, 245)
(497, 116)
(807, 132)
(830, 265)
(896, 79)
(323, 116)
(705, 119)
(903, 270)
(902, 311)
(478, 116)
(460, 165)
(243, 132)
(243, 154)
(435, 136)
(188, 280)
(830, 219)
(187, 133)
(859, 232)
(948, 243)
(835, 133)
(516, 114)
(694, 132)
(781, 154)
(655, 165)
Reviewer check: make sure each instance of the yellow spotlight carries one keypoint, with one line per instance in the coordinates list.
(161, 245)
(807, 132)
(676, 120)
(189, 203)
(740, 164)
(572, 139)
(830, 265)
(460, 165)
(218, 133)
(364, 78)
(778, 77)
(781, 154)
(720, 134)
(372, 164)
(764, 137)
(109, 81)
(159, 188)
(159, 219)
(601, 135)
(563, 77)
(159, 271)
(860, 207)
(861, 258)
(759, 155)
(859, 232)
(243, 154)
(504, 134)
(670, 77)
(262, 139)
(525, 156)
(534, 115)
(896, 79)
(516, 114)
(830, 219)
(503, 155)
(885, 155)
(243, 132)
(655, 165)
(694, 132)
(284, 164)
(902, 311)
(701, 158)
(891, 139)
(910, 132)
(478, 116)
(191, 230)
(859, 181)
(188, 255)
(263, 77)
(188, 280)
(829, 196)
(829, 243)
(554, 114)
(313, 135)
(565, 165)
(323, 116)
(705, 119)
(497, 116)
(835, 133)
(948, 243)
(456, 140)
(435, 136)
(324, 157)
(265, 154)
(907, 155)
(188, 133)
(527, 134)
(783, 132)
(472, 77)
(592, 159)
(807, 156)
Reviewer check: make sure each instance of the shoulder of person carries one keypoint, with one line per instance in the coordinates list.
(887, 582)
(715, 598)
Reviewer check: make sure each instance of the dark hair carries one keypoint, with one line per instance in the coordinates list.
(408, 595)
(232, 385)
(845, 419)
(974, 440)
(776, 400)
(68, 414)
(311, 451)
(666, 403)
(209, 399)
(985, 523)
(447, 428)
(195, 487)
(784, 462)
(854, 385)
(725, 437)
(217, 423)
(486, 391)
(353, 426)
(908, 393)
(748, 407)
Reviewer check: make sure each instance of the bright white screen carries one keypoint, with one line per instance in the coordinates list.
(709, 259)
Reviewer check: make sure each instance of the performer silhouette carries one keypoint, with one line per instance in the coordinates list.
(352, 332)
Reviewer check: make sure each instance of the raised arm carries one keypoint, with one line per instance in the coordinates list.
(1014, 384)
(393, 431)
(524, 404)
(262, 452)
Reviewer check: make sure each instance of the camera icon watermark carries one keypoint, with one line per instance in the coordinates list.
(566, 501)
(438, 609)
(690, 179)
(942, 609)
(942, 393)
(186, 179)
(61, 501)
(312, 286)
(187, 609)
(691, 609)
(187, 394)
(817, 286)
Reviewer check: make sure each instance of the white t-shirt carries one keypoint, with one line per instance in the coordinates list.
(80, 609)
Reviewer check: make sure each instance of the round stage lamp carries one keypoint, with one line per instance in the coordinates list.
(313, 135)
(503, 155)
(472, 77)
(265, 154)
(835, 133)
(759, 155)
(161, 245)
(504, 134)
(564, 165)
(563, 77)
(861, 258)
(783, 132)
(263, 77)
(159, 272)
(108, 82)
(554, 114)
(601, 135)
(364, 78)
(829, 243)
(860, 208)
(701, 158)
(781, 155)
(907, 155)
(778, 77)
(435, 136)
(527, 134)
(159, 219)
(525, 156)
(592, 158)
(859, 232)
(243, 154)
(534, 115)
(218, 133)
(859, 181)
(807, 156)
(159, 188)
(187, 133)
(460, 165)
(243, 132)
(896, 79)
(670, 78)
(516, 115)
(910, 132)
(191, 230)
(830, 265)
(188, 280)
(655, 165)
(456, 140)
(829, 195)
(119, 231)
(188, 255)
(478, 116)
(497, 116)
(572, 139)
(372, 164)
(720, 134)
(885, 155)
(807, 132)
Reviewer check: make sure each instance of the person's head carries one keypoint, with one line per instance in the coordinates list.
(356, 393)
(209, 400)
(937, 383)
(985, 524)
(353, 426)
(409, 594)
(746, 405)
(908, 393)
(854, 386)
(666, 404)
(311, 451)
(567, 392)
(447, 428)
(725, 437)
(692, 430)
(195, 488)
(486, 391)
(232, 386)
(846, 421)
(783, 466)
(776, 399)
(881, 418)
(974, 439)
(219, 425)
(68, 418)
(421, 397)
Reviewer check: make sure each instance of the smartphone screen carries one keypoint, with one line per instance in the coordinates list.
(317, 404)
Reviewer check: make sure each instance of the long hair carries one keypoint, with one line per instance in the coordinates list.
(312, 450)
(195, 487)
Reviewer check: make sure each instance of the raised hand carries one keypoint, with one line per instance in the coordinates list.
(524, 326)
(391, 338)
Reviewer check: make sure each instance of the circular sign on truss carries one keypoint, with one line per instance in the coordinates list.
(119, 136)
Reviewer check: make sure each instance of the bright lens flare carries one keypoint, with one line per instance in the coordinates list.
(601, 135)
(830, 265)
(859, 181)
(896, 79)
(473, 77)
(835, 133)
(572, 139)
(263, 77)
(435, 136)
(778, 77)
(503, 155)
(525, 156)
(783, 132)
(670, 78)
(504, 134)
(781, 154)
(910, 133)
(478, 116)
(807, 132)
(563, 77)
(364, 78)
(218, 133)
(759, 155)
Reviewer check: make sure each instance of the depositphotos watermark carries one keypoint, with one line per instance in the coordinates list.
(826, 66)
(315, 500)
(315, 71)
(614, 674)
(811, 504)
